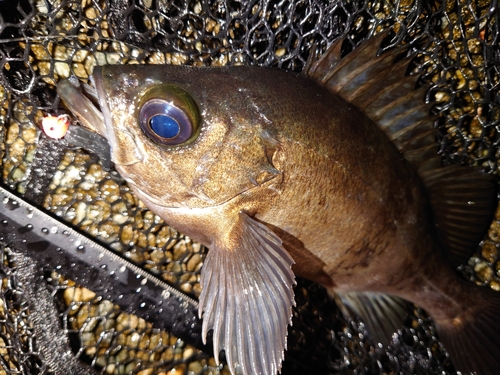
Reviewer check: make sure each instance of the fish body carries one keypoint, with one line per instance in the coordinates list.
(310, 173)
(273, 170)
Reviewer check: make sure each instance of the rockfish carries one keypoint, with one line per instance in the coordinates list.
(332, 173)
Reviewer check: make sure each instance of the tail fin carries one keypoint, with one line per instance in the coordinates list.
(473, 341)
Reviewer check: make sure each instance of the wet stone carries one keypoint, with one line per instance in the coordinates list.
(483, 271)
(490, 252)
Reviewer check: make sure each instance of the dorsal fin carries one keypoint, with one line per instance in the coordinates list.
(379, 87)
(462, 198)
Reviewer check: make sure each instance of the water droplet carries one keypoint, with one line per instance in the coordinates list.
(5, 223)
(143, 305)
(165, 294)
(104, 266)
(65, 232)
(45, 231)
(11, 204)
(160, 311)
(80, 249)
(144, 281)
(138, 290)
(26, 229)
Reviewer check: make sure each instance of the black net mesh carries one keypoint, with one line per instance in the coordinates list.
(43, 41)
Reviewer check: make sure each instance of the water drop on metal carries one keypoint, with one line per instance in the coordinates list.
(25, 229)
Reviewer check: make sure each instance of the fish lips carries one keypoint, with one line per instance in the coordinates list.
(105, 128)
(89, 105)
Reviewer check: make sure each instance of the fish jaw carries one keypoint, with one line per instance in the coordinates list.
(104, 129)
(82, 107)
(93, 118)
(124, 148)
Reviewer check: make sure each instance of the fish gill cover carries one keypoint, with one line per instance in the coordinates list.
(43, 41)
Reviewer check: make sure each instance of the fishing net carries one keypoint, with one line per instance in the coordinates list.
(51, 325)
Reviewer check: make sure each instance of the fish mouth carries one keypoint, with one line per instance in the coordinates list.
(88, 104)
(101, 97)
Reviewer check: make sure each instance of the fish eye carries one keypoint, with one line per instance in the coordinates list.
(169, 116)
(164, 122)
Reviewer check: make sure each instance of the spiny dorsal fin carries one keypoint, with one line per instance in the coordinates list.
(376, 85)
(462, 198)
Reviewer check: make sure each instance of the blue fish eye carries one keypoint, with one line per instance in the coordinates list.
(165, 123)
(165, 126)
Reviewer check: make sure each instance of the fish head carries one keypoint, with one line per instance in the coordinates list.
(181, 136)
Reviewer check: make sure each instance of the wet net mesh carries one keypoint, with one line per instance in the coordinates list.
(50, 325)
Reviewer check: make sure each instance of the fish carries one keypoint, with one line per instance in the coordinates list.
(331, 174)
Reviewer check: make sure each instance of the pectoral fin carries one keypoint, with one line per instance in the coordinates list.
(247, 297)
(382, 314)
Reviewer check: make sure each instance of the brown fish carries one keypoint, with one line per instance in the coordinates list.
(333, 169)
